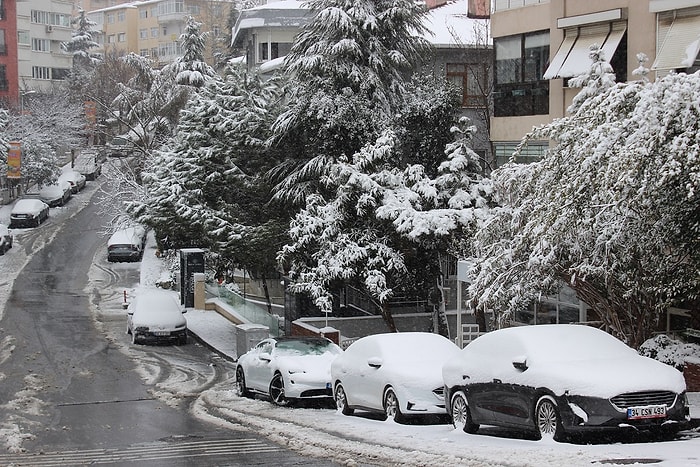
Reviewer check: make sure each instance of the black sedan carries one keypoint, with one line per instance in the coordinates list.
(556, 380)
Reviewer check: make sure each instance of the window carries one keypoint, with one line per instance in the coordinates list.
(41, 45)
(143, 13)
(154, 11)
(3, 45)
(110, 18)
(677, 44)
(520, 88)
(60, 73)
(4, 85)
(143, 33)
(530, 153)
(193, 10)
(143, 52)
(470, 79)
(171, 6)
(154, 32)
(572, 59)
(154, 52)
(121, 16)
(121, 37)
(169, 49)
(270, 51)
(23, 37)
(41, 72)
(111, 39)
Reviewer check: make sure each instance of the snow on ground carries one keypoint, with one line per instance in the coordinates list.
(359, 439)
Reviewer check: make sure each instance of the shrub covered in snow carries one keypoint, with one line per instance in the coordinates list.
(670, 351)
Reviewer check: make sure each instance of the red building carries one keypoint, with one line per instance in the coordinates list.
(9, 75)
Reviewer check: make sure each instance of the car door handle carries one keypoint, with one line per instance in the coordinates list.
(465, 376)
(497, 381)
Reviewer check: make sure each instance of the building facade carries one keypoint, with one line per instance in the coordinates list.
(42, 25)
(541, 44)
(9, 77)
(152, 28)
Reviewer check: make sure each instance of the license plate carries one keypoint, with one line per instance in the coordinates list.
(161, 333)
(649, 411)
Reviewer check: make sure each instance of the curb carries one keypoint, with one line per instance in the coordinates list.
(211, 347)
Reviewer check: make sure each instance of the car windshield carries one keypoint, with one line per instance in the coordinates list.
(305, 347)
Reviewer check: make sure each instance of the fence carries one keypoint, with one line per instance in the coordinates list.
(252, 313)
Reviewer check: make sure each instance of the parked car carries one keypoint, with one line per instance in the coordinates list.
(120, 146)
(559, 379)
(56, 194)
(28, 212)
(88, 163)
(5, 239)
(287, 368)
(155, 315)
(126, 244)
(398, 374)
(76, 179)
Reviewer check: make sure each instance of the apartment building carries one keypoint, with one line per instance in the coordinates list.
(42, 25)
(152, 28)
(9, 84)
(541, 44)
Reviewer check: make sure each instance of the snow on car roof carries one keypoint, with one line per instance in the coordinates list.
(128, 236)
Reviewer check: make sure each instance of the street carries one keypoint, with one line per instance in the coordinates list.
(74, 391)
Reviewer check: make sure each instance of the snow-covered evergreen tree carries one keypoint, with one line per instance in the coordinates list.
(380, 219)
(207, 188)
(611, 210)
(80, 44)
(349, 68)
(191, 69)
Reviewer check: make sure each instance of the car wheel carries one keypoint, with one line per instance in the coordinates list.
(391, 406)
(241, 389)
(277, 390)
(461, 416)
(341, 400)
(547, 419)
(37, 222)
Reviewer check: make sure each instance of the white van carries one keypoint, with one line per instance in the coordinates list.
(126, 244)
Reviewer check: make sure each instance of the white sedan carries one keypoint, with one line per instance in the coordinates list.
(287, 368)
(156, 315)
(398, 374)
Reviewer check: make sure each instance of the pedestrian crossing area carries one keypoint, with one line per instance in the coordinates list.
(160, 453)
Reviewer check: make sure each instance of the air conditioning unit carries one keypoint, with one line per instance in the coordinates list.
(49, 28)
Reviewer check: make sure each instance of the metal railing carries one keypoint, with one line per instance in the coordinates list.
(249, 311)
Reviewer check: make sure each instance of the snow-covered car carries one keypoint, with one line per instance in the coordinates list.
(156, 315)
(5, 239)
(126, 244)
(56, 194)
(88, 164)
(558, 379)
(76, 179)
(398, 374)
(28, 212)
(287, 368)
(120, 146)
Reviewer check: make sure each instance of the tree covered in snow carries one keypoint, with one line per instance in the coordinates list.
(598, 78)
(348, 67)
(82, 42)
(207, 186)
(191, 69)
(369, 46)
(384, 227)
(611, 210)
(48, 125)
(148, 106)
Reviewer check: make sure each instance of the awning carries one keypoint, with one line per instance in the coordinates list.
(572, 57)
(681, 45)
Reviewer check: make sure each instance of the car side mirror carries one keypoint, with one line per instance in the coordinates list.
(520, 363)
(374, 362)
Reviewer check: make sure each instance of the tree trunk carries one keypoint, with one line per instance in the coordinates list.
(439, 314)
(388, 317)
(267, 294)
